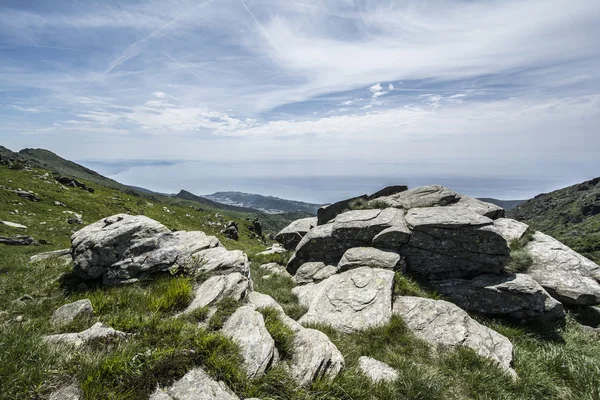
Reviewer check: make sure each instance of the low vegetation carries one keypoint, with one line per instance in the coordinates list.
(520, 259)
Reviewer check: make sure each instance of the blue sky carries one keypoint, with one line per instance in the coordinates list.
(459, 87)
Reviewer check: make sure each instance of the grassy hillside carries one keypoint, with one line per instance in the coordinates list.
(572, 215)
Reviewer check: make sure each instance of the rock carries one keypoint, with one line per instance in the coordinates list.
(370, 257)
(392, 238)
(376, 370)
(516, 296)
(275, 249)
(98, 332)
(71, 392)
(589, 315)
(231, 230)
(328, 212)
(73, 183)
(13, 224)
(214, 289)
(317, 245)
(75, 221)
(26, 195)
(354, 300)
(123, 248)
(489, 210)
(442, 323)
(359, 228)
(315, 357)
(50, 255)
(453, 242)
(510, 229)
(259, 300)
(219, 260)
(246, 327)
(292, 234)
(426, 196)
(19, 240)
(388, 191)
(256, 227)
(195, 385)
(276, 269)
(568, 276)
(58, 203)
(314, 272)
(66, 314)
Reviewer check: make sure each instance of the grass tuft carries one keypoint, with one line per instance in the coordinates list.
(281, 334)
(225, 308)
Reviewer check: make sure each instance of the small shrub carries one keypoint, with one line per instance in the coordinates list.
(281, 334)
(225, 308)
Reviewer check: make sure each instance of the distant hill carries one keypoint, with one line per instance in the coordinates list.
(506, 204)
(572, 215)
(267, 204)
(185, 195)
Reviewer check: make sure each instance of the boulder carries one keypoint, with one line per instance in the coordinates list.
(328, 212)
(453, 242)
(359, 228)
(218, 287)
(489, 210)
(123, 248)
(317, 245)
(13, 224)
(275, 249)
(195, 385)
(98, 332)
(66, 314)
(63, 255)
(392, 238)
(388, 191)
(246, 327)
(426, 196)
(292, 234)
(354, 300)
(260, 300)
(370, 257)
(444, 324)
(71, 392)
(516, 296)
(510, 229)
(276, 269)
(314, 272)
(568, 276)
(219, 260)
(376, 370)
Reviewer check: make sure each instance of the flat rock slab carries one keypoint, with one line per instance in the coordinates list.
(515, 296)
(315, 271)
(510, 229)
(218, 287)
(49, 255)
(13, 224)
(426, 196)
(359, 228)
(354, 300)
(66, 314)
(292, 234)
(246, 327)
(444, 324)
(98, 332)
(480, 207)
(567, 275)
(376, 370)
(369, 257)
(195, 385)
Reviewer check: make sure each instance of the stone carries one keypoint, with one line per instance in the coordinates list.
(441, 323)
(64, 255)
(260, 300)
(328, 212)
(66, 314)
(370, 257)
(453, 242)
(588, 315)
(246, 327)
(515, 296)
(489, 210)
(275, 249)
(276, 269)
(26, 195)
(71, 392)
(315, 271)
(388, 191)
(317, 245)
(19, 240)
(218, 287)
(98, 332)
(359, 228)
(426, 196)
(124, 248)
(231, 230)
(292, 234)
(195, 385)
(13, 224)
(351, 301)
(392, 238)
(376, 370)
(511, 229)
(75, 221)
(568, 276)
(315, 357)
(219, 260)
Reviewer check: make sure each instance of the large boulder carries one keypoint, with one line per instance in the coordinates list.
(123, 248)
(426, 196)
(511, 229)
(97, 333)
(246, 327)
(314, 271)
(317, 245)
(453, 242)
(359, 228)
(328, 212)
(68, 313)
(442, 323)
(516, 296)
(354, 300)
(567, 275)
(489, 210)
(217, 288)
(376, 370)
(195, 385)
(219, 260)
(370, 257)
(292, 234)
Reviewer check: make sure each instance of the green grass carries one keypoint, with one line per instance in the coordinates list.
(520, 259)
(281, 334)
(225, 308)
(407, 286)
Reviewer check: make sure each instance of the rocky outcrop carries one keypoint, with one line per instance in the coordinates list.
(315, 357)
(388, 191)
(97, 333)
(246, 327)
(350, 301)
(565, 274)
(260, 300)
(358, 228)
(516, 296)
(328, 212)
(314, 272)
(370, 257)
(511, 229)
(19, 240)
(219, 260)
(426, 196)
(444, 324)
(216, 288)
(317, 245)
(489, 210)
(292, 234)
(195, 385)
(376, 370)
(68, 313)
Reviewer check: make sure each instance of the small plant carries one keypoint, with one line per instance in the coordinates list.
(281, 333)
(225, 308)
(407, 286)
(198, 315)
(520, 259)
(176, 296)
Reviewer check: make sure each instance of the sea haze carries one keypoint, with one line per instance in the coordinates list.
(294, 181)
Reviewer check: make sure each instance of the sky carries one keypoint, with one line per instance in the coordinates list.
(490, 88)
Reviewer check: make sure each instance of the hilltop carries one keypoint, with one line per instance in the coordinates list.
(268, 204)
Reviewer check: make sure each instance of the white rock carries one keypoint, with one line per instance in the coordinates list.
(376, 370)
(218, 287)
(66, 314)
(98, 332)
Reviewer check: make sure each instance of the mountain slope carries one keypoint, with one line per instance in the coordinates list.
(571, 214)
(267, 204)
(184, 194)
(506, 204)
